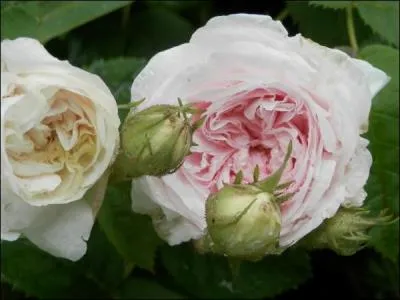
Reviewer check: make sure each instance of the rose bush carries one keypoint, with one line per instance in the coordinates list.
(59, 134)
(261, 89)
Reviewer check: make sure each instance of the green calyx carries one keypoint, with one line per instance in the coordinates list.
(244, 220)
(155, 141)
(346, 232)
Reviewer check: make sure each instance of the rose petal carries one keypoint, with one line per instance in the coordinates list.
(63, 230)
(170, 225)
(41, 184)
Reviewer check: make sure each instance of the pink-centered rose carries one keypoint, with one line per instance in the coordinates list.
(260, 89)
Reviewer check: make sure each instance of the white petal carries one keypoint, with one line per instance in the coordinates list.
(177, 230)
(108, 140)
(314, 199)
(142, 203)
(22, 54)
(80, 82)
(151, 196)
(191, 200)
(357, 173)
(377, 79)
(69, 190)
(340, 78)
(17, 141)
(10, 236)
(95, 196)
(34, 168)
(327, 134)
(63, 230)
(20, 115)
(160, 70)
(28, 56)
(8, 83)
(240, 27)
(161, 194)
(40, 184)
(332, 200)
(16, 214)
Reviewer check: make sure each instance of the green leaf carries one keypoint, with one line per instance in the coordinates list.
(383, 133)
(163, 29)
(385, 240)
(102, 263)
(132, 234)
(10, 293)
(118, 74)
(140, 288)
(331, 4)
(381, 278)
(39, 274)
(382, 16)
(209, 276)
(175, 5)
(44, 20)
(334, 32)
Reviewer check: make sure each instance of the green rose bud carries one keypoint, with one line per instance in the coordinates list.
(244, 220)
(346, 232)
(154, 141)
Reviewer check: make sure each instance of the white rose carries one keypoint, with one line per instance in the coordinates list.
(59, 134)
(260, 89)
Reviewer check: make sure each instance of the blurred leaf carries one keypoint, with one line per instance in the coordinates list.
(382, 277)
(157, 29)
(100, 269)
(334, 32)
(382, 16)
(132, 234)
(175, 5)
(372, 40)
(44, 20)
(102, 263)
(331, 4)
(209, 276)
(118, 74)
(39, 274)
(140, 288)
(383, 133)
(385, 240)
(9, 293)
(84, 45)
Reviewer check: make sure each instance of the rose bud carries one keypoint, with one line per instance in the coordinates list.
(244, 220)
(346, 232)
(155, 141)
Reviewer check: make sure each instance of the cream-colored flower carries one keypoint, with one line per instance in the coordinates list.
(59, 134)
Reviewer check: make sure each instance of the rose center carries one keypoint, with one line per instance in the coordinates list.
(251, 129)
(63, 140)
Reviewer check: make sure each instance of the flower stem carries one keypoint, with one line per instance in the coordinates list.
(350, 28)
(282, 15)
